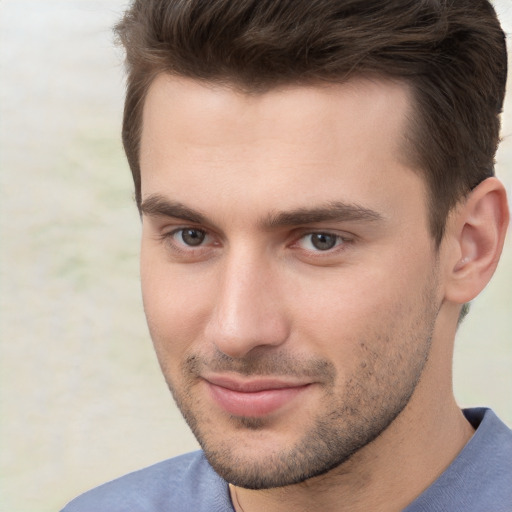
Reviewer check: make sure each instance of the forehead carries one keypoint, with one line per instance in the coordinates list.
(199, 106)
(292, 145)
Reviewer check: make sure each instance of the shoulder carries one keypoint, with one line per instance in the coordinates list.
(480, 476)
(489, 452)
(183, 483)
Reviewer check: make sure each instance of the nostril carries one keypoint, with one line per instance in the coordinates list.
(236, 333)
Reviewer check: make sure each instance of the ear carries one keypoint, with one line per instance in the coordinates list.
(475, 236)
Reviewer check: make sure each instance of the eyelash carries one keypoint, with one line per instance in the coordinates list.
(181, 247)
(337, 240)
(169, 238)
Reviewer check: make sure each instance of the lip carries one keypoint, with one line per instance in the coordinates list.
(253, 398)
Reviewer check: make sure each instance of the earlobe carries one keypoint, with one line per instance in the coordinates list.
(478, 230)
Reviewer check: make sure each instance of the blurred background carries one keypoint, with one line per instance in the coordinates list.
(81, 396)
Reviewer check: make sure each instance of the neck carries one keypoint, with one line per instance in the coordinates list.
(394, 469)
(384, 476)
(390, 472)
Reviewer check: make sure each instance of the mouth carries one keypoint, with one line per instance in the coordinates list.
(253, 398)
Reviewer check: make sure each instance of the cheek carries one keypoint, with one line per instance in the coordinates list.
(176, 304)
(361, 311)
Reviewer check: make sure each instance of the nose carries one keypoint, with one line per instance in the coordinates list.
(248, 312)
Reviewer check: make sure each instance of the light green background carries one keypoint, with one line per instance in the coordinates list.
(81, 396)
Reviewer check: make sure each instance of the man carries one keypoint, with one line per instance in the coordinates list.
(315, 180)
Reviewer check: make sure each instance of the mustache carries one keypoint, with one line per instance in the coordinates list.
(261, 365)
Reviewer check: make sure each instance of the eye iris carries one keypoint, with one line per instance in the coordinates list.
(192, 236)
(323, 241)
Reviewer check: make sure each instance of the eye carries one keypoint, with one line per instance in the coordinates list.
(190, 236)
(320, 241)
(189, 244)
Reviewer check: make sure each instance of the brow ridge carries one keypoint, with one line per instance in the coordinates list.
(156, 205)
(335, 211)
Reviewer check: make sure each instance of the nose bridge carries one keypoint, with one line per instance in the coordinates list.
(248, 312)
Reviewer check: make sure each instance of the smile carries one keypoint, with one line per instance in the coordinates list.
(254, 398)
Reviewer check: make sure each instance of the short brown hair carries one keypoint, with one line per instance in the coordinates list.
(452, 53)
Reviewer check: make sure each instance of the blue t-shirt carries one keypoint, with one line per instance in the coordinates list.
(478, 480)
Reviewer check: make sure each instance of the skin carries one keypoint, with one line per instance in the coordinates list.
(236, 188)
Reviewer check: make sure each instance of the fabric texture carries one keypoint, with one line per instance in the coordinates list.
(478, 480)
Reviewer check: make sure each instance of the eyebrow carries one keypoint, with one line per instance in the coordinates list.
(156, 205)
(332, 212)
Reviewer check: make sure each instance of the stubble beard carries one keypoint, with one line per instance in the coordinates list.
(372, 398)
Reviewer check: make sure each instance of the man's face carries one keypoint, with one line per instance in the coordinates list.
(289, 277)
